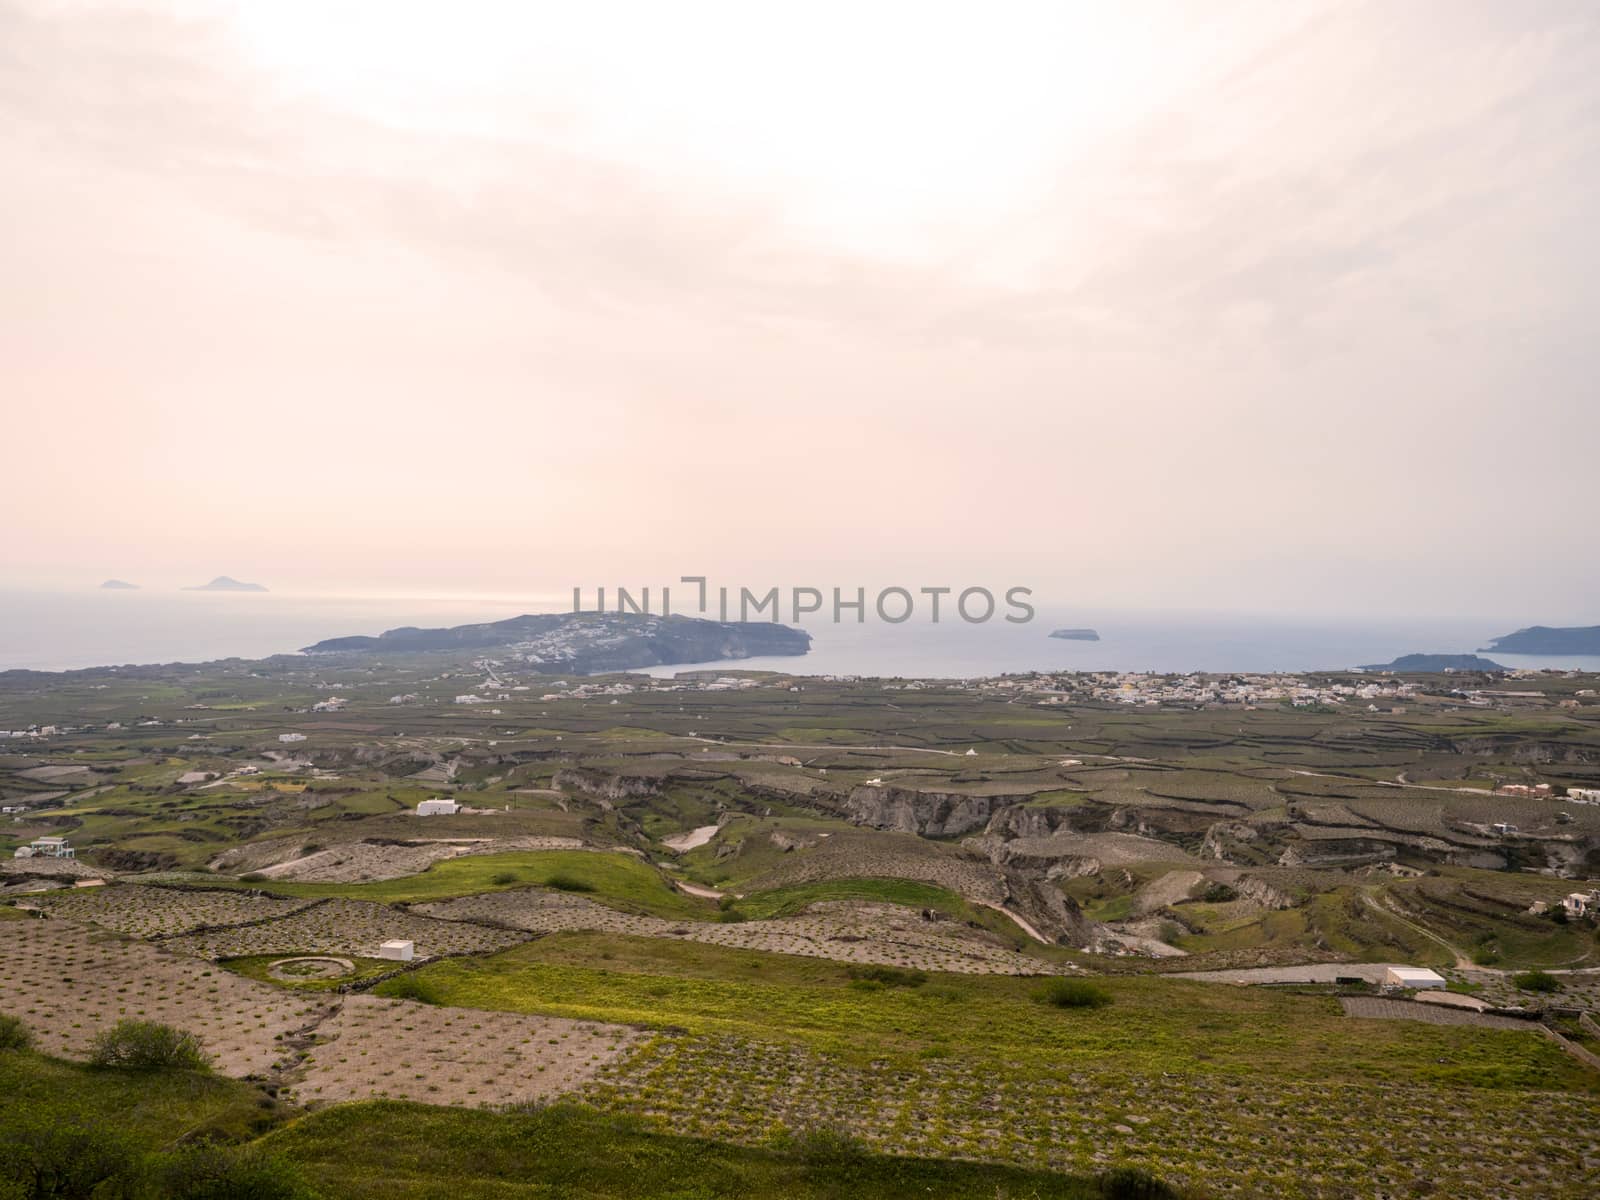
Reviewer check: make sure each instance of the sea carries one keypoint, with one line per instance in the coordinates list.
(55, 631)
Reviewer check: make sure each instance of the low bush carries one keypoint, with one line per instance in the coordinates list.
(1073, 993)
(41, 1156)
(503, 878)
(410, 986)
(819, 1146)
(1536, 981)
(209, 1171)
(148, 1046)
(568, 883)
(1133, 1183)
(14, 1035)
(1219, 893)
(881, 976)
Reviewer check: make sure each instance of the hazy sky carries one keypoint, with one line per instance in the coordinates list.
(1234, 305)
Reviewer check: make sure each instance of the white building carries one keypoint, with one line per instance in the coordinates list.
(438, 808)
(1580, 904)
(1419, 978)
(46, 847)
(291, 737)
(398, 950)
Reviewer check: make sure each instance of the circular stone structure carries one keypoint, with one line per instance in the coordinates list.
(310, 967)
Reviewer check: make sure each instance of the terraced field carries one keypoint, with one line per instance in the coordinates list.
(350, 927)
(157, 912)
(1234, 1137)
(845, 931)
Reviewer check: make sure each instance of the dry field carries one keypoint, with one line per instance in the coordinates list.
(1578, 989)
(404, 1051)
(364, 862)
(349, 927)
(844, 930)
(155, 912)
(1382, 1008)
(67, 982)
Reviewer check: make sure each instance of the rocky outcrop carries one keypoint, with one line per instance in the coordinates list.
(930, 814)
(605, 786)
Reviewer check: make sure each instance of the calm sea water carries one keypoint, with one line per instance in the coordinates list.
(59, 631)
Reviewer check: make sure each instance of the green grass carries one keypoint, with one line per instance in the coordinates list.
(620, 880)
(155, 1108)
(1153, 1025)
(391, 1149)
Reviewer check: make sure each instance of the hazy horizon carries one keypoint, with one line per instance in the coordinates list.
(1247, 307)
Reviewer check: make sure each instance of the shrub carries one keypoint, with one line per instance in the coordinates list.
(253, 877)
(1485, 956)
(730, 916)
(882, 976)
(41, 1156)
(1219, 893)
(568, 883)
(412, 987)
(502, 878)
(208, 1171)
(148, 1046)
(1133, 1183)
(820, 1146)
(14, 1035)
(1073, 993)
(1536, 981)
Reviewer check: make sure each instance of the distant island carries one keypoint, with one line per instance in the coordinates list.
(1542, 639)
(1076, 635)
(590, 643)
(223, 584)
(1427, 663)
(118, 585)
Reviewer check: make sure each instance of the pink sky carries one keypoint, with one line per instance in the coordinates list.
(1254, 305)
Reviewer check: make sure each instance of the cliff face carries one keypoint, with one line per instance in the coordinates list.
(931, 814)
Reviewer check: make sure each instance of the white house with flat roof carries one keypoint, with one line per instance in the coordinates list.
(1417, 978)
(400, 951)
(437, 807)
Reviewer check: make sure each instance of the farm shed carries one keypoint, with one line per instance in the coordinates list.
(437, 808)
(400, 951)
(1419, 978)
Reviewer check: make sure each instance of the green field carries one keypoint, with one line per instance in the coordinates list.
(1154, 1025)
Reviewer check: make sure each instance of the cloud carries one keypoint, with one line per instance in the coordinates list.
(1322, 247)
